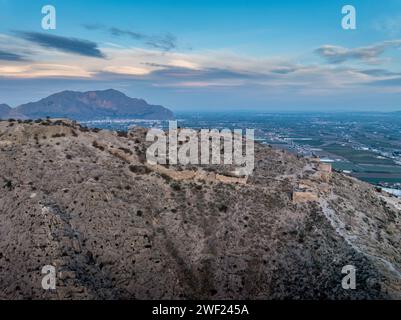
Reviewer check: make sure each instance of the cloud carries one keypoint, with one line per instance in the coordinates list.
(191, 71)
(43, 70)
(204, 73)
(119, 32)
(187, 71)
(394, 82)
(165, 42)
(379, 72)
(391, 26)
(8, 56)
(370, 54)
(214, 75)
(94, 26)
(64, 44)
(284, 70)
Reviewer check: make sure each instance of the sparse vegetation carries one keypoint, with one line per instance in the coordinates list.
(175, 186)
(8, 185)
(122, 134)
(58, 135)
(139, 169)
(126, 150)
(97, 145)
(222, 207)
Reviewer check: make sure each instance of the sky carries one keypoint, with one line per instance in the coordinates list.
(286, 55)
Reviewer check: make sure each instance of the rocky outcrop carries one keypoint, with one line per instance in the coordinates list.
(325, 167)
(86, 202)
(304, 196)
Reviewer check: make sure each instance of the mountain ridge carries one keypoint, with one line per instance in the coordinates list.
(89, 105)
(4, 110)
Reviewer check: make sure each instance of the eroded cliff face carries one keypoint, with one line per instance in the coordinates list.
(86, 202)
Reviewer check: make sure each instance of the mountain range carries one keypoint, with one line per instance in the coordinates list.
(87, 106)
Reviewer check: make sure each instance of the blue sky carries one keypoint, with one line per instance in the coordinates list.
(207, 55)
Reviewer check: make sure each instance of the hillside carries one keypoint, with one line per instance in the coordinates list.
(4, 111)
(86, 202)
(90, 105)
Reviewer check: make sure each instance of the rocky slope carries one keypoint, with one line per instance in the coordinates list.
(86, 202)
(90, 105)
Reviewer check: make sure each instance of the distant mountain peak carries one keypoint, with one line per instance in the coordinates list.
(109, 91)
(93, 105)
